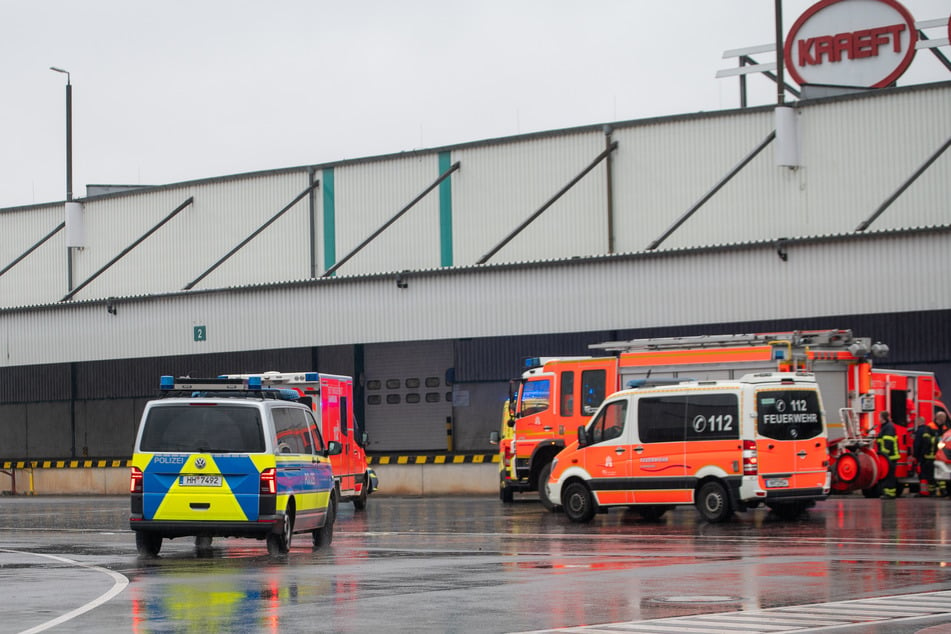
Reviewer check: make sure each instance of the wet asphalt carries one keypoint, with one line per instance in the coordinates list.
(69, 564)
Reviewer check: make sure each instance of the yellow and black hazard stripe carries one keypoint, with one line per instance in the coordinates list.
(388, 459)
(77, 463)
(410, 459)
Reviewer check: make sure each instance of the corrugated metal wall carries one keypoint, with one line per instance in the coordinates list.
(879, 273)
(367, 195)
(856, 152)
(500, 186)
(42, 275)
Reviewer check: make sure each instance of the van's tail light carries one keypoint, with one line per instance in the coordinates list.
(507, 456)
(135, 480)
(750, 462)
(269, 480)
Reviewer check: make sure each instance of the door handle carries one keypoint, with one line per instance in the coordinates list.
(619, 450)
(638, 450)
(802, 454)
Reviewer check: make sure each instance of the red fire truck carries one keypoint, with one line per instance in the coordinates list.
(545, 418)
(331, 399)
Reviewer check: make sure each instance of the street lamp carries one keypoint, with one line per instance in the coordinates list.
(69, 132)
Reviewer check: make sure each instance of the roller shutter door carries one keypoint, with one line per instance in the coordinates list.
(407, 395)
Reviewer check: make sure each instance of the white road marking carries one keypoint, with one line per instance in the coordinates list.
(121, 581)
(797, 618)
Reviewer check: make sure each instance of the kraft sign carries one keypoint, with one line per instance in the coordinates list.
(860, 43)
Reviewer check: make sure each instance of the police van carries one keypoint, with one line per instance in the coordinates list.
(723, 446)
(229, 458)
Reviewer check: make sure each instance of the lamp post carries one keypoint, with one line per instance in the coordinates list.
(69, 132)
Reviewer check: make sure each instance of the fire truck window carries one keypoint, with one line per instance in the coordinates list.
(788, 414)
(536, 396)
(344, 416)
(661, 419)
(610, 422)
(567, 394)
(592, 390)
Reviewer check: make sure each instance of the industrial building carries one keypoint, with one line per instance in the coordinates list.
(429, 275)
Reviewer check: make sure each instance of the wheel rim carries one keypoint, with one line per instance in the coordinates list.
(577, 503)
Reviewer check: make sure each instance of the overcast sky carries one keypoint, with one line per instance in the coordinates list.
(179, 90)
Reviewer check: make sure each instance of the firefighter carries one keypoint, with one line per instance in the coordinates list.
(926, 444)
(941, 422)
(888, 448)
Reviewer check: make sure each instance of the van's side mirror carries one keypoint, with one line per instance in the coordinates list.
(582, 436)
(333, 448)
(364, 439)
(494, 438)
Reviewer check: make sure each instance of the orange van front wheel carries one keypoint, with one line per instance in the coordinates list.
(578, 503)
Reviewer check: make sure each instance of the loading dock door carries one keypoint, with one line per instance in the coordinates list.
(407, 396)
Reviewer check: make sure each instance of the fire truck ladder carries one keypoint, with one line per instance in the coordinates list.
(796, 339)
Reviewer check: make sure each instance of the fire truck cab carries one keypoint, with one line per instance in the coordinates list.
(331, 398)
(551, 399)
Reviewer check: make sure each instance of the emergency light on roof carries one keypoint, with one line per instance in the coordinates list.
(219, 384)
(532, 362)
(656, 382)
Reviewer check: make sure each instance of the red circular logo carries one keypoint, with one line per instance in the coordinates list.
(859, 43)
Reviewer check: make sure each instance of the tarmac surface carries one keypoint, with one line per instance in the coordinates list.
(69, 564)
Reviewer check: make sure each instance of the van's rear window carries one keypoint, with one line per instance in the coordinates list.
(206, 429)
(788, 414)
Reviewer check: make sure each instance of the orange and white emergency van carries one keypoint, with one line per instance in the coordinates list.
(723, 446)
(331, 398)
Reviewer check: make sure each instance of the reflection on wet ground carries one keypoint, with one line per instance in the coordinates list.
(474, 564)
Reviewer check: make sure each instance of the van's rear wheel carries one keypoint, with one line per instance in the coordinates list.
(280, 543)
(325, 534)
(579, 504)
(789, 510)
(713, 502)
(148, 544)
(360, 502)
(543, 476)
(651, 512)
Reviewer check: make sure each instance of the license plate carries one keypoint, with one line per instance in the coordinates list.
(776, 483)
(200, 481)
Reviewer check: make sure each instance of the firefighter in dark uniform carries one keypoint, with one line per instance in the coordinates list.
(926, 444)
(888, 447)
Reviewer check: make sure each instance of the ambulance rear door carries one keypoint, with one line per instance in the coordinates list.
(791, 442)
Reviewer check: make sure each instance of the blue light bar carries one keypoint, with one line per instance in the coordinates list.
(311, 376)
(532, 362)
(167, 383)
(254, 383)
